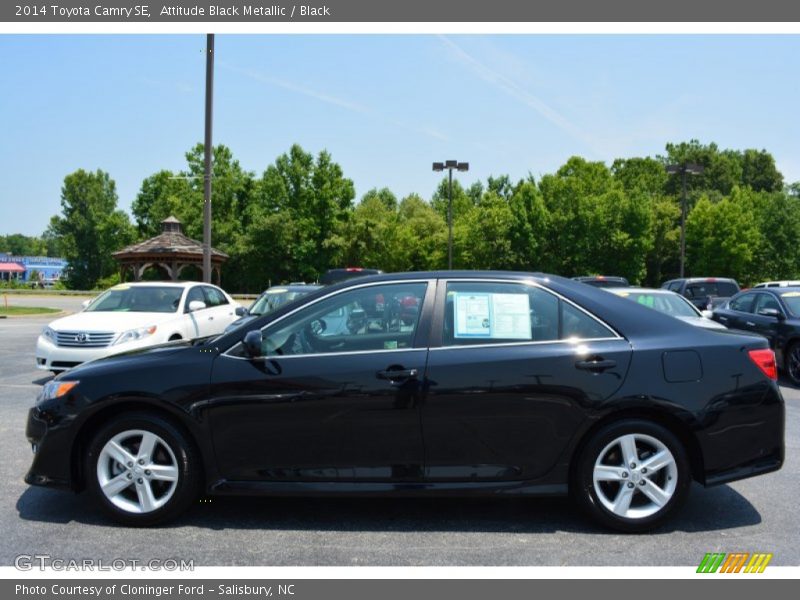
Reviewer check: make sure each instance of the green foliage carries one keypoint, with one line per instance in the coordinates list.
(90, 227)
(23, 245)
(298, 219)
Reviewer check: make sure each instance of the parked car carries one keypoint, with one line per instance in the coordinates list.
(332, 276)
(706, 293)
(773, 313)
(669, 303)
(131, 316)
(603, 281)
(488, 383)
(784, 283)
(272, 298)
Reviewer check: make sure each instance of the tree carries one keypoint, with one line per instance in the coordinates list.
(162, 195)
(90, 227)
(721, 237)
(22, 245)
(315, 199)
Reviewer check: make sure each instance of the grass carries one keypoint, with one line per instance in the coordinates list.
(26, 310)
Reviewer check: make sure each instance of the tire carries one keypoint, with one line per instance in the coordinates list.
(112, 463)
(792, 366)
(602, 483)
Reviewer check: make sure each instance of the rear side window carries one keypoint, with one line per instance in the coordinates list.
(492, 313)
(743, 303)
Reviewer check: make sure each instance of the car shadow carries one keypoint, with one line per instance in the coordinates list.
(706, 510)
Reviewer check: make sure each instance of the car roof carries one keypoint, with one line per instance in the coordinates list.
(294, 287)
(708, 279)
(160, 284)
(641, 289)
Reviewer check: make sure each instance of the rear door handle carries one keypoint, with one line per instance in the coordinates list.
(596, 364)
(750, 324)
(397, 374)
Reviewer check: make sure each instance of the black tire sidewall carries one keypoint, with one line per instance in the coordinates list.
(185, 454)
(787, 360)
(583, 484)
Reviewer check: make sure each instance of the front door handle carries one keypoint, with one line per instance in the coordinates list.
(750, 324)
(598, 364)
(395, 375)
(211, 318)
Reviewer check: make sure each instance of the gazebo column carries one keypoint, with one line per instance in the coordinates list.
(173, 271)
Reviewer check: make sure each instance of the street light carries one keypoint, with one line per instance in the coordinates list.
(458, 166)
(684, 169)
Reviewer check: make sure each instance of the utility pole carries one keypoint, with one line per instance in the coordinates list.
(208, 149)
(684, 169)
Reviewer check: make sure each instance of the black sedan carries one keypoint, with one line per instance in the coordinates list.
(444, 383)
(773, 313)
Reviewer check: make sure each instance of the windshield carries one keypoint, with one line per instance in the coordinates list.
(792, 300)
(270, 300)
(670, 304)
(138, 299)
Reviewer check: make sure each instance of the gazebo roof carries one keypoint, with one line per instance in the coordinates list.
(170, 243)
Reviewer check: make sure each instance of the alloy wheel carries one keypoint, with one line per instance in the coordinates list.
(137, 471)
(635, 476)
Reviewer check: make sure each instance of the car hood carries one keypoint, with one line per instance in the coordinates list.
(131, 359)
(109, 321)
(702, 322)
(242, 321)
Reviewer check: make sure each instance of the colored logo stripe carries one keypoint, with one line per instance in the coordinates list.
(734, 562)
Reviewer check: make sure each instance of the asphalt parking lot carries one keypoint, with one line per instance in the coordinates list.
(758, 514)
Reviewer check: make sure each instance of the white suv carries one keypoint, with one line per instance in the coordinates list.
(134, 315)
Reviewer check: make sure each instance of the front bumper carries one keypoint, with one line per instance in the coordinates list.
(50, 442)
(50, 357)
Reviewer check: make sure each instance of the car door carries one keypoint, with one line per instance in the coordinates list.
(511, 369)
(330, 400)
(766, 324)
(221, 312)
(738, 311)
(199, 324)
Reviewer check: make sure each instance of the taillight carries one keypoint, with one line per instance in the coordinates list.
(765, 360)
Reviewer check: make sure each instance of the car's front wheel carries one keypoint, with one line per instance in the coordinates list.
(632, 475)
(793, 363)
(142, 469)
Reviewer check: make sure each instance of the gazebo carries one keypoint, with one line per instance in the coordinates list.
(171, 250)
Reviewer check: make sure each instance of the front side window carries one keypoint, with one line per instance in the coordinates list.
(766, 301)
(214, 297)
(491, 313)
(195, 294)
(378, 317)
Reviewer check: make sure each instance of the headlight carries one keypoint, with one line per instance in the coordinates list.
(49, 334)
(133, 335)
(55, 389)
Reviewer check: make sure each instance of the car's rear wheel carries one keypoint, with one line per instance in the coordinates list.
(142, 469)
(793, 363)
(632, 475)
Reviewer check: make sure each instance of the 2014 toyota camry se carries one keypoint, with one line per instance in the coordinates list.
(422, 383)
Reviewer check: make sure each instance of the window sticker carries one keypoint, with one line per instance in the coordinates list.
(501, 316)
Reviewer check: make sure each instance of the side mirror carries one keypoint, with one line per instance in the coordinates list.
(85, 303)
(771, 312)
(708, 314)
(252, 343)
(196, 305)
(241, 311)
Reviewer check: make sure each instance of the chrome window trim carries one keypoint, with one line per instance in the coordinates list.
(575, 342)
(532, 283)
(325, 297)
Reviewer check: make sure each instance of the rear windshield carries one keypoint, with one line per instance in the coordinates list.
(668, 303)
(337, 275)
(703, 289)
(606, 283)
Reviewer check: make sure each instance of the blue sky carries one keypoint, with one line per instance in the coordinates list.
(384, 106)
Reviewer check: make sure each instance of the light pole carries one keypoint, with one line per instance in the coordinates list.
(684, 169)
(458, 166)
(207, 149)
